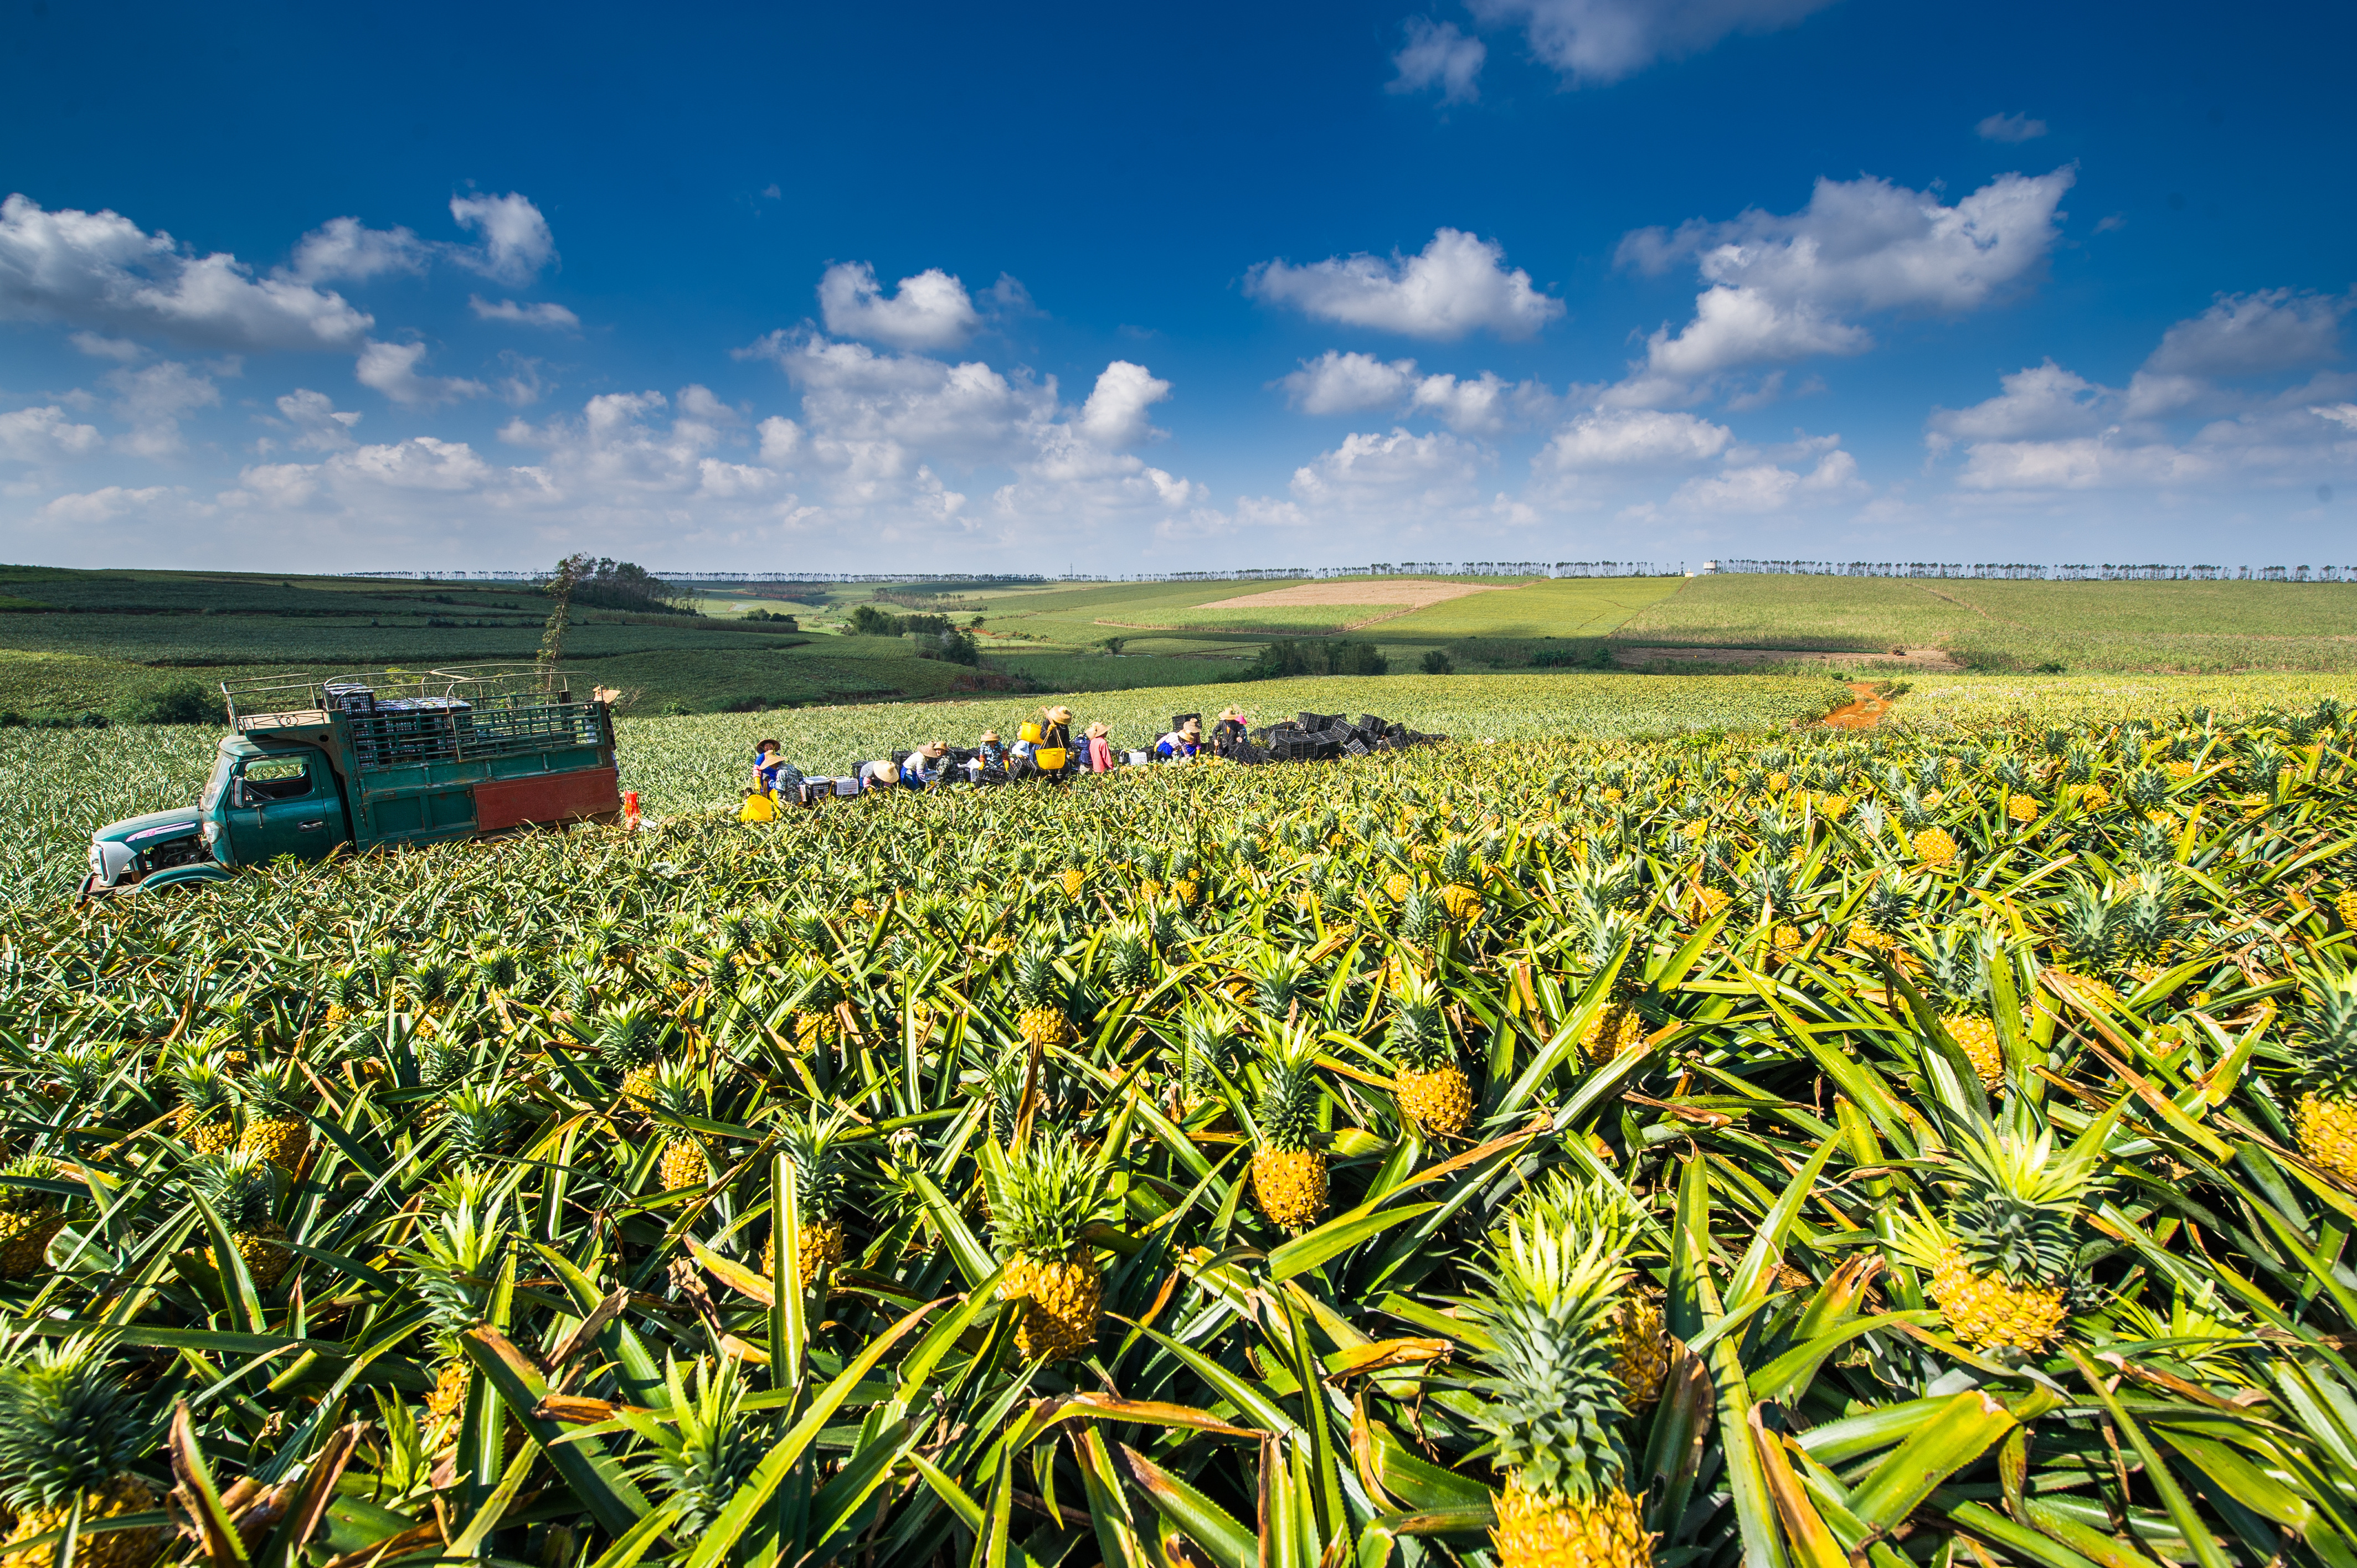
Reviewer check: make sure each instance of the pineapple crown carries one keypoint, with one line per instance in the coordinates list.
(270, 1091)
(1457, 862)
(629, 1035)
(67, 1423)
(819, 988)
(1280, 978)
(433, 975)
(497, 968)
(1957, 965)
(1554, 1406)
(2014, 1205)
(1037, 983)
(1207, 1046)
(1128, 955)
(83, 1066)
(203, 1082)
(679, 1089)
(1422, 917)
(1888, 902)
(809, 1141)
(2084, 926)
(705, 1447)
(2328, 1028)
(456, 1261)
(1591, 1208)
(2145, 915)
(1042, 1198)
(480, 1117)
(342, 986)
(242, 1186)
(1419, 1032)
(14, 1199)
(1290, 1089)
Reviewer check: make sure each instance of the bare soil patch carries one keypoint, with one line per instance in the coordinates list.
(1869, 709)
(1415, 593)
(1930, 660)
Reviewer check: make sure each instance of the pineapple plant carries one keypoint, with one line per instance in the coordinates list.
(205, 1118)
(2326, 1116)
(1042, 1198)
(2001, 1251)
(30, 1218)
(453, 1266)
(1039, 991)
(1128, 954)
(1595, 1208)
(1552, 1402)
(1288, 1166)
(477, 1119)
(704, 1447)
(679, 1093)
(1431, 1089)
(1208, 1048)
(629, 1042)
(1460, 878)
(809, 1143)
(816, 1022)
(242, 1186)
(69, 1435)
(275, 1128)
(1956, 969)
(1076, 872)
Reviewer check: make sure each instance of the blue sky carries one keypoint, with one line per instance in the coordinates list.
(950, 288)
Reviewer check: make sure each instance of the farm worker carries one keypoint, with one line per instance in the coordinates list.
(883, 775)
(1027, 743)
(1229, 733)
(922, 770)
(1183, 742)
(1100, 748)
(767, 758)
(991, 752)
(1055, 752)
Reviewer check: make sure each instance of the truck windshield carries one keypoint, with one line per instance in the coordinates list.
(216, 785)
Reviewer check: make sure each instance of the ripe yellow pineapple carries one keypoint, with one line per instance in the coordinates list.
(2326, 1114)
(1555, 1404)
(1431, 1090)
(809, 1141)
(1288, 1169)
(2346, 908)
(1462, 902)
(1640, 1348)
(1779, 782)
(679, 1093)
(1074, 880)
(1398, 886)
(205, 1117)
(1042, 1199)
(1936, 847)
(2021, 808)
(449, 1394)
(1039, 989)
(243, 1188)
(30, 1218)
(2001, 1254)
(1187, 891)
(1616, 1028)
(274, 1126)
(67, 1436)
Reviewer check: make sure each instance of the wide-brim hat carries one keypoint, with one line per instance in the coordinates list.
(933, 747)
(1061, 714)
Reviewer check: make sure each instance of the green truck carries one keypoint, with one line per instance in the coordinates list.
(361, 762)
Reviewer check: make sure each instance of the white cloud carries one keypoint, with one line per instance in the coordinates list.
(100, 269)
(1780, 285)
(1762, 487)
(2344, 414)
(42, 435)
(2253, 334)
(2042, 401)
(280, 485)
(1594, 42)
(1115, 416)
(392, 369)
(930, 310)
(516, 239)
(121, 350)
(2081, 463)
(348, 249)
(1486, 404)
(420, 462)
(319, 425)
(1456, 284)
(1609, 438)
(1398, 470)
(543, 314)
(2010, 128)
(154, 400)
(781, 440)
(1437, 55)
(1348, 384)
(101, 506)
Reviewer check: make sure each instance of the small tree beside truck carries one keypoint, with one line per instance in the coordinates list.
(311, 766)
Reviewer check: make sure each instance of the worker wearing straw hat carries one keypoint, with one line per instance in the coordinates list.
(1100, 749)
(1054, 752)
(921, 769)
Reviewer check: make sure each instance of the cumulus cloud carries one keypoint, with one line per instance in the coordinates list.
(1759, 488)
(44, 434)
(1115, 416)
(931, 310)
(516, 240)
(93, 506)
(1348, 384)
(1456, 284)
(100, 269)
(1485, 404)
(2254, 334)
(318, 424)
(122, 351)
(543, 314)
(2010, 128)
(154, 400)
(1595, 42)
(1397, 470)
(2042, 401)
(347, 249)
(420, 462)
(1632, 438)
(1437, 55)
(392, 369)
(1780, 285)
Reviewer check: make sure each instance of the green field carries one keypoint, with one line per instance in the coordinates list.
(1995, 626)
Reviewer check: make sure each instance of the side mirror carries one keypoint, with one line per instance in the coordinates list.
(236, 793)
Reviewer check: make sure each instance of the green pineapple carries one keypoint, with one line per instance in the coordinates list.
(69, 1435)
(1042, 1197)
(478, 1119)
(1289, 1167)
(1128, 954)
(1555, 1403)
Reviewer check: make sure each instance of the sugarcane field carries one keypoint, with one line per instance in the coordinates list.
(1746, 1142)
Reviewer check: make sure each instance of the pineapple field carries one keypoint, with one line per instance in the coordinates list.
(1680, 1135)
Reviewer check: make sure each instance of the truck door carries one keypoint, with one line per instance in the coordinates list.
(285, 804)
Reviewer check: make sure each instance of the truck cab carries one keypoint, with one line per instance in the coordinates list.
(377, 761)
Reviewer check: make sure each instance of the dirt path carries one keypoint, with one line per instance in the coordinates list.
(1867, 711)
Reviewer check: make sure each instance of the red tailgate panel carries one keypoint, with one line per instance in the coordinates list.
(545, 798)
